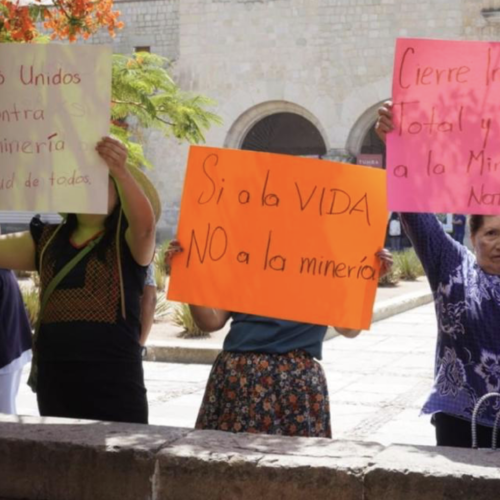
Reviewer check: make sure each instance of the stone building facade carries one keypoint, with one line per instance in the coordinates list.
(327, 61)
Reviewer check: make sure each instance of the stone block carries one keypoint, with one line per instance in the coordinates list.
(62, 459)
(428, 473)
(210, 465)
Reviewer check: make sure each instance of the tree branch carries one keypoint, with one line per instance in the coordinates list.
(141, 106)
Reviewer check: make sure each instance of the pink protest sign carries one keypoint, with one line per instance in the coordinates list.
(444, 153)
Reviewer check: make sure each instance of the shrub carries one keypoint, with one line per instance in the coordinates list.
(31, 298)
(161, 271)
(390, 279)
(162, 250)
(163, 307)
(408, 264)
(160, 277)
(182, 317)
(22, 274)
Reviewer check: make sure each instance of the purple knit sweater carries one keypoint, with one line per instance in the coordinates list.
(467, 302)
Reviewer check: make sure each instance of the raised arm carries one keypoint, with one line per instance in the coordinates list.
(437, 251)
(140, 234)
(17, 252)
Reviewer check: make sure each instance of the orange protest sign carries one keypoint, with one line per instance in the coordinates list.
(280, 236)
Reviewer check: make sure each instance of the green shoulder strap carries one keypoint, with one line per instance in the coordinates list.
(32, 380)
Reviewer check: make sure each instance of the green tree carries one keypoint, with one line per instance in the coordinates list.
(144, 93)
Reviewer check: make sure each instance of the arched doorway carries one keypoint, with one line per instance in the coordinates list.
(276, 126)
(372, 145)
(285, 133)
(363, 140)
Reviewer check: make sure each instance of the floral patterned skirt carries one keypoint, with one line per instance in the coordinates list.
(266, 393)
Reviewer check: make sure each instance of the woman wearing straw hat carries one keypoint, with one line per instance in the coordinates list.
(87, 356)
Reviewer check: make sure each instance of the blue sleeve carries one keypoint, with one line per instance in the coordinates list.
(439, 253)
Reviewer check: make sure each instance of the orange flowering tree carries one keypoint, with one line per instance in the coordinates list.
(20, 20)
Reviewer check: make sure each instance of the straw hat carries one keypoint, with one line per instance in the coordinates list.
(148, 188)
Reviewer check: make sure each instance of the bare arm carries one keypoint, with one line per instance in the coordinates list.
(348, 332)
(209, 319)
(148, 306)
(140, 234)
(17, 251)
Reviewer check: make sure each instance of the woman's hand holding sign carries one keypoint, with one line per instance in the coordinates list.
(114, 153)
(384, 123)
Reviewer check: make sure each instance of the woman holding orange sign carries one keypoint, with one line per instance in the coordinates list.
(267, 379)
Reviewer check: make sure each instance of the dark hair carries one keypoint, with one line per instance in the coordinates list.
(110, 227)
(475, 223)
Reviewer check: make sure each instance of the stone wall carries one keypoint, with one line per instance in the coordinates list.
(56, 459)
(329, 60)
(148, 23)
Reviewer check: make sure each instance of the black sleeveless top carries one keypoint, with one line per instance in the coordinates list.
(83, 319)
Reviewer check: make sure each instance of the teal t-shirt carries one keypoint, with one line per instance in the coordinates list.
(249, 333)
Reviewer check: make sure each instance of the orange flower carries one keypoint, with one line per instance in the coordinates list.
(65, 19)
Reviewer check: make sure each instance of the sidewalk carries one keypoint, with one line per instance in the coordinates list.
(377, 382)
(165, 345)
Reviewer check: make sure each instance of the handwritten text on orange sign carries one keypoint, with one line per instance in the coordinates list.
(280, 236)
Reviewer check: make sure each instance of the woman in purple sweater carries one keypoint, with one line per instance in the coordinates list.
(466, 288)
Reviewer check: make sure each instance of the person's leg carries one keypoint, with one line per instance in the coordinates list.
(113, 392)
(457, 432)
(9, 386)
(309, 414)
(50, 391)
(93, 391)
(218, 407)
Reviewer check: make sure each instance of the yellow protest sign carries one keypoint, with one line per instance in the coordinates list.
(54, 107)
(280, 236)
